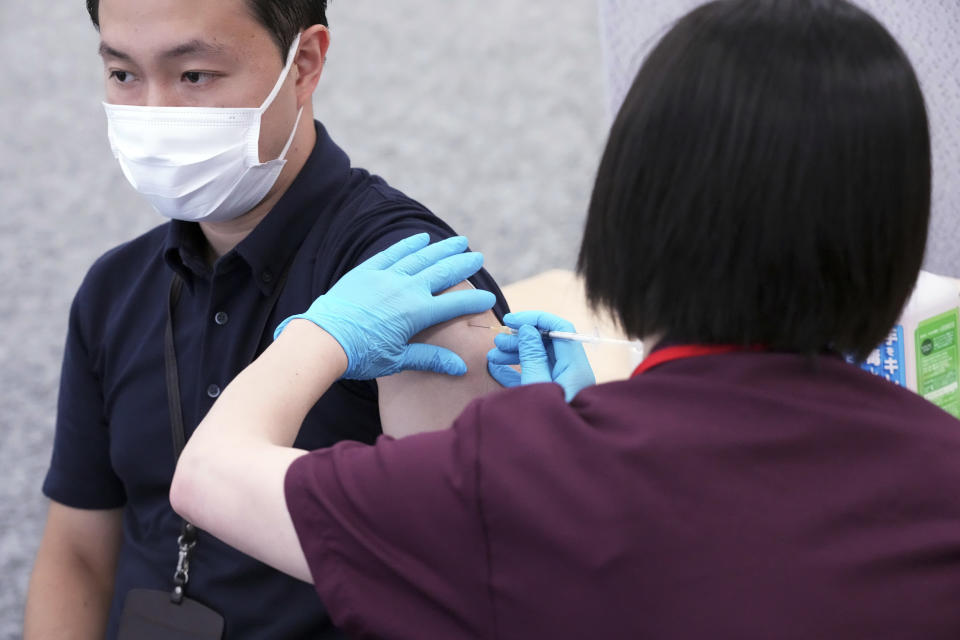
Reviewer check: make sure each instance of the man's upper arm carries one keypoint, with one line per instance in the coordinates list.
(415, 401)
(72, 581)
(81, 473)
(93, 536)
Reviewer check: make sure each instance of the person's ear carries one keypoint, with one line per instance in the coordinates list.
(310, 60)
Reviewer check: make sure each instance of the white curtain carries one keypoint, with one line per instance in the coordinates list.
(928, 30)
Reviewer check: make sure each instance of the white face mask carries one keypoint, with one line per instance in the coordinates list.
(197, 163)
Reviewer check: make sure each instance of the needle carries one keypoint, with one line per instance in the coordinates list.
(562, 335)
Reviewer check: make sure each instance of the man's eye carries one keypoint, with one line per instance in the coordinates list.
(197, 77)
(123, 77)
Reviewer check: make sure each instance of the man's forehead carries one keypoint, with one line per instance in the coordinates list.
(201, 25)
(185, 8)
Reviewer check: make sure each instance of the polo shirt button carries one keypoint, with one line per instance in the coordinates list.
(213, 391)
(267, 277)
(221, 318)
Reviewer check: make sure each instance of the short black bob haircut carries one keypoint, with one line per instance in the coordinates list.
(766, 182)
(284, 19)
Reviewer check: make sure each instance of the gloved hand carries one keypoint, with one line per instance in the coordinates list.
(541, 358)
(374, 309)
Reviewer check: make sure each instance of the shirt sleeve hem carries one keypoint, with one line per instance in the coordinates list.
(89, 501)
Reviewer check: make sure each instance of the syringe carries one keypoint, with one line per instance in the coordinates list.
(563, 335)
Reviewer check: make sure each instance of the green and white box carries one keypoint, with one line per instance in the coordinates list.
(931, 341)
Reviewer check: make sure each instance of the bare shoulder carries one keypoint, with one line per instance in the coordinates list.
(414, 401)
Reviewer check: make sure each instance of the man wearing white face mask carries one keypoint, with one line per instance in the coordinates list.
(209, 107)
(198, 163)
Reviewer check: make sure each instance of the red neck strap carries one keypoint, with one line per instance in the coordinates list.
(679, 352)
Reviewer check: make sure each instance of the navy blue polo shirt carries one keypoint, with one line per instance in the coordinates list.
(113, 446)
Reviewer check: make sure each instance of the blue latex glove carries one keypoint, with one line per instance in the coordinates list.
(374, 309)
(541, 359)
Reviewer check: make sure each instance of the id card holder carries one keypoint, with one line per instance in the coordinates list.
(149, 614)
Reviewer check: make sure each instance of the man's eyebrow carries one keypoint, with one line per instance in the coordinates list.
(106, 51)
(193, 47)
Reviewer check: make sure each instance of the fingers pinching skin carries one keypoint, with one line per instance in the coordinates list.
(430, 255)
(398, 251)
(534, 361)
(499, 356)
(507, 376)
(541, 358)
(507, 342)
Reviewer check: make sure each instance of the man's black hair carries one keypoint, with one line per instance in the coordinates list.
(766, 182)
(284, 19)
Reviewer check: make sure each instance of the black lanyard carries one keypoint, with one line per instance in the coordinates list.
(188, 533)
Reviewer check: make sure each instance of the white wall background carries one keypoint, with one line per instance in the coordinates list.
(929, 31)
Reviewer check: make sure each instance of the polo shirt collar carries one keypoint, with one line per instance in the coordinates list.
(272, 244)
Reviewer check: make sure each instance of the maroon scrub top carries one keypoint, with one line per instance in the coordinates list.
(743, 495)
